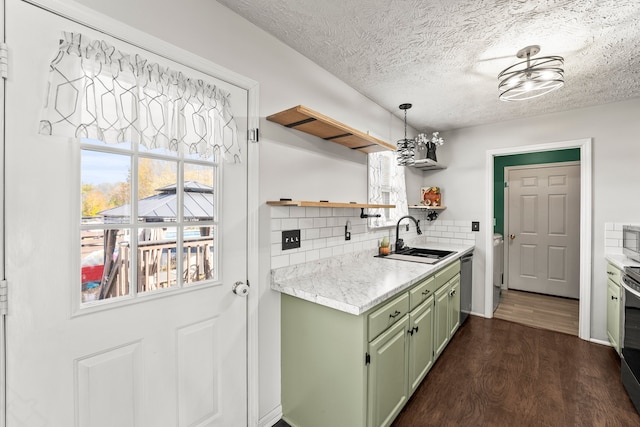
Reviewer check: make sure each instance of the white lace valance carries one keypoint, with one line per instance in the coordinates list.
(96, 91)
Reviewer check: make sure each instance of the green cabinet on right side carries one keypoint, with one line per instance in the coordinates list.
(446, 313)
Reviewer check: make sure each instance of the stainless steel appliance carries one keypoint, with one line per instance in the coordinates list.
(630, 363)
(631, 241)
(466, 282)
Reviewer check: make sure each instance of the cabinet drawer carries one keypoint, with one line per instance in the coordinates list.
(447, 273)
(421, 292)
(387, 315)
(613, 273)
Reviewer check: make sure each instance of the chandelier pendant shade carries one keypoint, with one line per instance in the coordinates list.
(406, 147)
(531, 78)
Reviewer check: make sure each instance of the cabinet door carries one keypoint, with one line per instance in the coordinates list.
(454, 305)
(388, 374)
(441, 314)
(613, 314)
(420, 343)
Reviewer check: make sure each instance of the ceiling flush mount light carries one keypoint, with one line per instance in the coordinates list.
(406, 147)
(531, 78)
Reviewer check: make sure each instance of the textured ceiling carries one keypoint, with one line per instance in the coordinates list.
(443, 56)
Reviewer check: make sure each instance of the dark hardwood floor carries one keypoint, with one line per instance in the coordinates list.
(499, 373)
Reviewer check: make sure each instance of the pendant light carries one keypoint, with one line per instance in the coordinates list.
(531, 78)
(406, 147)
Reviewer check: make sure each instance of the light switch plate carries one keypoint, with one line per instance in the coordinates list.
(290, 239)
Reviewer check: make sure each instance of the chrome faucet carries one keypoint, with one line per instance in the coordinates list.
(400, 242)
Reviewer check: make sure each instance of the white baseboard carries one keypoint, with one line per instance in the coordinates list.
(602, 342)
(271, 418)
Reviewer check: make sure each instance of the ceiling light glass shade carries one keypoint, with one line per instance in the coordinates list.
(531, 78)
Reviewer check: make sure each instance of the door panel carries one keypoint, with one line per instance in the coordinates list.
(166, 358)
(543, 225)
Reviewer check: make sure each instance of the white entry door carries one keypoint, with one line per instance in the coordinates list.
(544, 229)
(165, 343)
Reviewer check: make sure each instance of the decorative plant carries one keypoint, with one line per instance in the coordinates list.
(385, 247)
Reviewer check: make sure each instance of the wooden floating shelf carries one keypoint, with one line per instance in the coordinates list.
(431, 208)
(306, 120)
(304, 203)
(427, 164)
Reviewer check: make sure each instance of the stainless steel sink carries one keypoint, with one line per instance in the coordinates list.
(425, 256)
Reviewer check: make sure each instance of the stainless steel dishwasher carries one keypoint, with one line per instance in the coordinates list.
(466, 280)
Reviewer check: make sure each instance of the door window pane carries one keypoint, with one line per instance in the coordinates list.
(105, 187)
(199, 201)
(105, 261)
(157, 190)
(199, 262)
(157, 262)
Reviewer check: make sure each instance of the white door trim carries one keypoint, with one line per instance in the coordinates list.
(584, 328)
(121, 31)
(507, 169)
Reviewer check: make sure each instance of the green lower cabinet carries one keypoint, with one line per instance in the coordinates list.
(420, 343)
(388, 374)
(446, 313)
(454, 305)
(441, 321)
(342, 370)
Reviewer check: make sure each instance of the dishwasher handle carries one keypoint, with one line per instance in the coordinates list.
(466, 258)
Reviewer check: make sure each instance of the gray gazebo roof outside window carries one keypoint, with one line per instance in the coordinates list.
(198, 204)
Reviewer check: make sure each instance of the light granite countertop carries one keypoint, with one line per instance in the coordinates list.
(358, 282)
(620, 261)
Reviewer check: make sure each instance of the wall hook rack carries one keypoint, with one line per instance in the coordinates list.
(364, 215)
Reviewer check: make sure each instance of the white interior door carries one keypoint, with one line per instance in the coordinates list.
(544, 229)
(173, 355)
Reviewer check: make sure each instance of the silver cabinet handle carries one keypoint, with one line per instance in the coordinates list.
(512, 236)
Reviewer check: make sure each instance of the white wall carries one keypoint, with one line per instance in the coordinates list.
(615, 130)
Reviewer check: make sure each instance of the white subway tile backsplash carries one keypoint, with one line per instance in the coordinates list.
(313, 233)
(319, 222)
(290, 224)
(312, 212)
(297, 212)
(279, 212)
(298, 258)
(325, 232)
(279, 261)
(325, 253)
(319, 243)
(333, 222)
(313, 255)
(608, 226)
(614, 243)
(322, 233)
(305, 223)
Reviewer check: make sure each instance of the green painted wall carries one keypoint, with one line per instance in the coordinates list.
(500, 162)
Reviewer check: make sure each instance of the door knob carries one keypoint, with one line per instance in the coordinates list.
(241, 289)
(512, 236)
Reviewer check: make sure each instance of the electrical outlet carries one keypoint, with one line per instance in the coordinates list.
(475, 226)
(290, 239)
